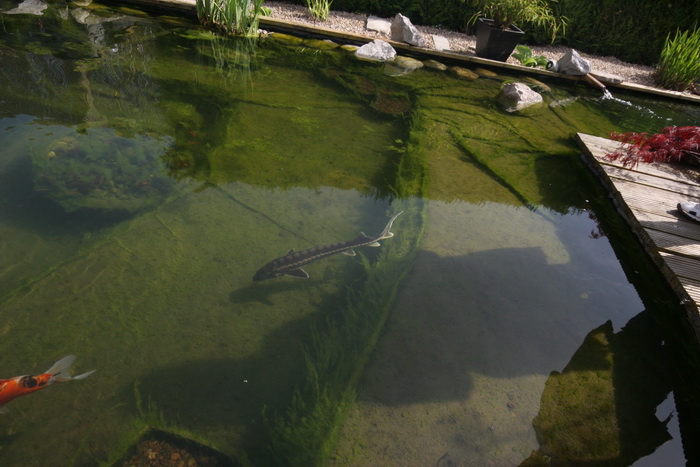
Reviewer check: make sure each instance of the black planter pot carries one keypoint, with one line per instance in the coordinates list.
(495, 43)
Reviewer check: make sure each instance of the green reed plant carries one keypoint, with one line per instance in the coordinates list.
(679, 65)
(237, 17)
(319, 9)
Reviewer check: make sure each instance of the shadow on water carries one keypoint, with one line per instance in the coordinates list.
(520, 314)
(601, 409)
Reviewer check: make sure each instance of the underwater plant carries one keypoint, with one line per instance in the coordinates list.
(671, 144)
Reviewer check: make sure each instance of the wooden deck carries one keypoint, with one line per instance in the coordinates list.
(646, 196)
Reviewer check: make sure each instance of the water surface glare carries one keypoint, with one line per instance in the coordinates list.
(149, 168)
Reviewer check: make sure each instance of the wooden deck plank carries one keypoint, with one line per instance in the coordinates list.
(599, 147)
(647, 196)
(668, 223)
(653, 181)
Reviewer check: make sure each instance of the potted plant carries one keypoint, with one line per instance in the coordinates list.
(497, 33)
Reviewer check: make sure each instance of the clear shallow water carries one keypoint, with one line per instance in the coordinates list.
(149, 169)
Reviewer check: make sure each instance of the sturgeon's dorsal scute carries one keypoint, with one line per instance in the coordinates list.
(291, 263)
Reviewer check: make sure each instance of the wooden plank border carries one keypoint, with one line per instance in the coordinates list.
(675, 251)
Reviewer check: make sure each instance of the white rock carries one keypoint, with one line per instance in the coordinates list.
(28, 7)
(377, 50)
(441, 43)
(518, 96)
(404, 31)
(571, 63)
(375, 23)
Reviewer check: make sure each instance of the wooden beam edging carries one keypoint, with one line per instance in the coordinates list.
(691, 308)
(189, 8)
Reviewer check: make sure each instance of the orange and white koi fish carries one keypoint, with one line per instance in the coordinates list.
(21, 385)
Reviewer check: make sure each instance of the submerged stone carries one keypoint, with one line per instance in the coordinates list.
(407, 64)
(320, 44)
(286, 38)
(435, 65)
(29, 7)
(484, 73)
(538, 85)
(463, 73)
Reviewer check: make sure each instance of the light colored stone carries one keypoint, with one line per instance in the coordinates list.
(571, 63)
(375, 23)
(440, 42)
(518, 96)
(377, 50)
(607, 78)
(28, 7)
(404, 31)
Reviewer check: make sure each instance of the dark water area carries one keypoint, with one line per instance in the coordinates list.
(149, 168)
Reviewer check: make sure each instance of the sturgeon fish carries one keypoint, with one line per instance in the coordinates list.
(291, 263)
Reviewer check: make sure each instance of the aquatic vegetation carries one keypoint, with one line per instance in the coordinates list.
(237, 17)
(671, 144)
(100, 169)
(305, 434)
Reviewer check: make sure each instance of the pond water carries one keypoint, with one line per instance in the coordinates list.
(150, 168)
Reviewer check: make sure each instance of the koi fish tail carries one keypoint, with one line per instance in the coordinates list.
(60, 371)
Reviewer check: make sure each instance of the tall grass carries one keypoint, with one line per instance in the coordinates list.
(237, 17)
(319, 9)
(679, 65)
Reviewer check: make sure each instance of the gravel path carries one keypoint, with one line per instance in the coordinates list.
(459, 42)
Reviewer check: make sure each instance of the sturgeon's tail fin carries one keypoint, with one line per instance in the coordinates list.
(60, 371)
(385, 233)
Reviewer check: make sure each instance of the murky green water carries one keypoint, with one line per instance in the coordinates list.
(149, 168)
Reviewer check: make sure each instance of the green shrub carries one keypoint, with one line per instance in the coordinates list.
(679, 66)
(631, 30)
(237, 17)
